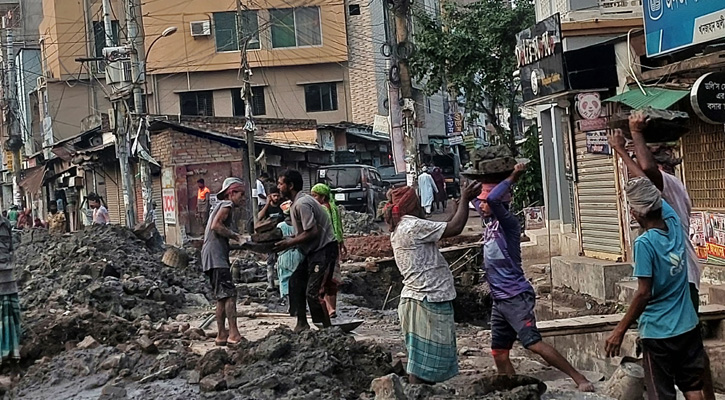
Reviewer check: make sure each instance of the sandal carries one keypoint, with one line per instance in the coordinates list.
(233, 344)
(333, 315)
(222, 343)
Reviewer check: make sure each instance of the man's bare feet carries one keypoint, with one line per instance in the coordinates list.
(585, 386)
(301, 327)
(221, 338)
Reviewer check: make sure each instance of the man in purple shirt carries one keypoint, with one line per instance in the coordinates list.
(512, 315)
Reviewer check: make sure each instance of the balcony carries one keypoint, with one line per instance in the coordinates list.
(587, 10)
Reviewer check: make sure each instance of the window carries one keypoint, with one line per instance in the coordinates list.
(321, 97)
(99, 39)
(258, 106)
(225, 30)
(296, 27)
(197, 103)
(353, 9)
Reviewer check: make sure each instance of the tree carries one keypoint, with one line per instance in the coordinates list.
(472, 48)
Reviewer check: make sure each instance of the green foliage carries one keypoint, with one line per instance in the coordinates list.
(474, 50)
(529, 189)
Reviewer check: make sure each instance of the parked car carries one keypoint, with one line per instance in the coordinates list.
(354, 186)
(394, 179)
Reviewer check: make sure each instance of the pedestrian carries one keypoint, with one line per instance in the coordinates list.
(100, 213)
(202, 202)
(261, 189)
(426, 301)
(323, 195)
(315, 239)
(25, 219)
(512, 314)
(441, 197)
(427, 189)
(38, 223)
(10, 330)
(215, 259)
(13, 216)
(271, 210)
(56, 219)
(658, 164)
(287, 260)
(668, 324)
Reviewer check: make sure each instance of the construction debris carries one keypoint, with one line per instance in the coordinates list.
(357, 224)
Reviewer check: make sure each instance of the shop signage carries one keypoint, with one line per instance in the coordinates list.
(457, 122)
(671, 25)
(450, 124)
(169, 200)
(535, 218)
(708, 97)
(588, 125)
(455, 140)
(588, 105)
(597, 142)
(540, 59)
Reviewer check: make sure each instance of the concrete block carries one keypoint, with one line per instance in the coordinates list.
(596, 278)
(569, 244)
(716, 350)
(716, 294)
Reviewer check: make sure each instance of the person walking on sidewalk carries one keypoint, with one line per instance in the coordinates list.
(658, 164)
(426, 301)
(427, 188)
(513, 296)
(323, 195)
(668, 324)
(215, 259)
(315, 239)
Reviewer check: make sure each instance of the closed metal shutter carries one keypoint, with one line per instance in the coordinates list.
(157, 196)
(598, 204)
(306, 179)
(114, 198)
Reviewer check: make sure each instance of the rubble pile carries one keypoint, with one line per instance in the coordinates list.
(357, 224)
(323, 364)
(106, 268)
(312, 365)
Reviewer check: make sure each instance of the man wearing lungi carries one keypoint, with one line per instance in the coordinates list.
(426, 302)
(512, 315)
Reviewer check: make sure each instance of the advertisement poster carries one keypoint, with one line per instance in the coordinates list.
(697, 234)
(169, 200)
(535, 218)
(597, 142)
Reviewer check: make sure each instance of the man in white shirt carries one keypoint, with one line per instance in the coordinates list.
(261, 190)
(658, 164)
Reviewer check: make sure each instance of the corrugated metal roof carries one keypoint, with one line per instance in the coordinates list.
(657, 98)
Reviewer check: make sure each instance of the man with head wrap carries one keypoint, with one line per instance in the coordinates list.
(671, 343)
(658, 164)
(512, 315)
(426, 301)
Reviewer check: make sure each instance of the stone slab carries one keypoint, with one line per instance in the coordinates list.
(596, 278)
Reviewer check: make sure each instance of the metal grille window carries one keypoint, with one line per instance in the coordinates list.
(225, 30)
(197, 103)
(258, 105)
(321, 97)
(703, 152)
(296, 27)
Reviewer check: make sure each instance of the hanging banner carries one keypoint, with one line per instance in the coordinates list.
(597, 142)
(697, 234)
(169, 200)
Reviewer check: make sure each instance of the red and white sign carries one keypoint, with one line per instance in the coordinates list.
(169, 200)
(589, 105)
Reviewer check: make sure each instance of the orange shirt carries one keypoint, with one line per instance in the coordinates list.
(201, 193)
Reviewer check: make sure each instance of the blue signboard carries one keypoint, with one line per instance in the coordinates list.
(675, 24)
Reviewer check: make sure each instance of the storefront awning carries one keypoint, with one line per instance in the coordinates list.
(657, 98)
(33, 179)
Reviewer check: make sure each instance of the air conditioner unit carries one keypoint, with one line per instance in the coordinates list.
(40, 82)
(118, 72)
(200, 28)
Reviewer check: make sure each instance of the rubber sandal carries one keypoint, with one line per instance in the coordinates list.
(222, 344)
(233, 344)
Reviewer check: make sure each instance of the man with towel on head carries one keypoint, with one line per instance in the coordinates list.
(667, 322)
(426, 302)
(514, 299)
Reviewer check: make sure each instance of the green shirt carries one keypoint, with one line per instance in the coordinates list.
(13, 215)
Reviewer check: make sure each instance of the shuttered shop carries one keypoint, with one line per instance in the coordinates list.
(598, 205)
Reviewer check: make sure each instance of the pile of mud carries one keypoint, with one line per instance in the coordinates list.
(106, 268)
(357, 224)
(312, 365)
(380, 247)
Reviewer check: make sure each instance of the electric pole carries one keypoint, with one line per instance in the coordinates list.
(134, 26)
(15, 141)
(121, 128)
(249, 126)
(402, 14)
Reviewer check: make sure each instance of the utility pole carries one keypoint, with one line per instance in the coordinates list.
(15, 141)
(138, 73)
(249, 126)
(402, 14)
(121, 128)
